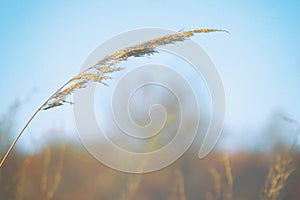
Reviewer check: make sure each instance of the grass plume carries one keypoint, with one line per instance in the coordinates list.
(278, 174)
(99, 72)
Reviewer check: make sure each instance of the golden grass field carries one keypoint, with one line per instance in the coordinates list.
(69, 172)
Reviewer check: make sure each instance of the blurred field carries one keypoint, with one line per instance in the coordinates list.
(69, 172)
(66, 171)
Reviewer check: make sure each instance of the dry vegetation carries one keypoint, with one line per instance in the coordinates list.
(277, 177)
(99, 72)
(68, 172)
(223, 186)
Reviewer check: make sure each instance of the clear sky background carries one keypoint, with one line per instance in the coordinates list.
(43, 43)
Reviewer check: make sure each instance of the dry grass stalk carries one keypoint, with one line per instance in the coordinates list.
(21, 176)
(278, 174)
(229, 178)
(222, 185)
(134, 181)
(173, 192)
(44, 177)
(17, 179)
(180, 181)
(178, 189)
(98, 72)
(58, 174)
(132, 186)
(217, 180)
(20, 187)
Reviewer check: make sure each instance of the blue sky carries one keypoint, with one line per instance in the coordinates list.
(43, 43)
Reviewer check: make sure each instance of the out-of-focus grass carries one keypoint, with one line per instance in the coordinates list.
(71, 173)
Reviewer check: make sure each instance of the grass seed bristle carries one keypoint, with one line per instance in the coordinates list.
(106, 65)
